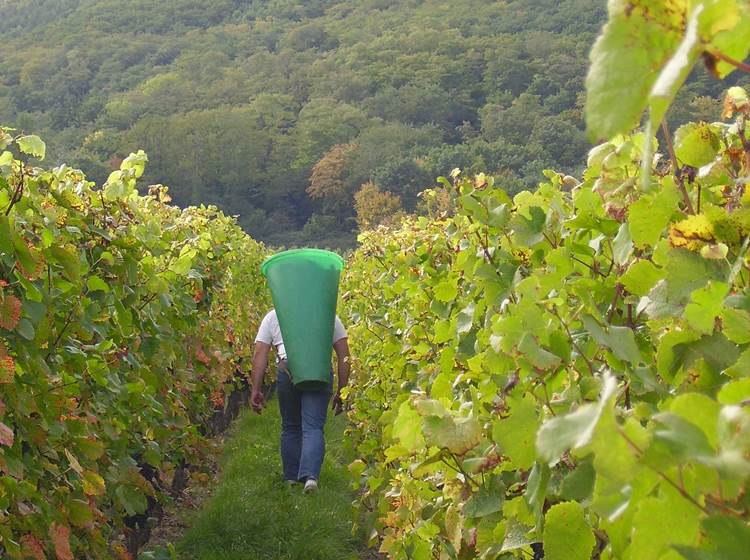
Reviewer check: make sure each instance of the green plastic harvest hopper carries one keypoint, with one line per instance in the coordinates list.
(304, 287)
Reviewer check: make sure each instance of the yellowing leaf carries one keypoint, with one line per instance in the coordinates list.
(735, 100)
(692, 233)
(407, 427)
(457, 435)
(93, 484)
(31, 145)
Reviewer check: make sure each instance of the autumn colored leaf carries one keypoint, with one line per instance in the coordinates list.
(32, 547)
(31, 262)
(7, 367)
(202, 357)
(217, 398)
(60, 535)
(10, 312)
(121, 552)
(6, 435)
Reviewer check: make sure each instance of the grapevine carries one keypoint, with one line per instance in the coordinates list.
(123, 323)
(565, 372)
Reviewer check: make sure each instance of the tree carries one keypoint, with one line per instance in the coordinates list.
(328, 178)
(375, 207)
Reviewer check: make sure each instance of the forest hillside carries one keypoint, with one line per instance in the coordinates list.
(280, 111)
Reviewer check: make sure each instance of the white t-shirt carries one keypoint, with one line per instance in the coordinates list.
(270, 333)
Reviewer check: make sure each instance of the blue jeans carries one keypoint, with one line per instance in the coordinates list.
(303, 417)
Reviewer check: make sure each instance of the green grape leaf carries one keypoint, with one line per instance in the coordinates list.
(131, 499)
(696, 144)
(614, 459)
(32, 145)
(735, 392)
(677, 69)
(6, 158)
(683, 438)
(736, 324)
(641, 277)
(536, 486)
(622, 245)
(517, 536)
(661, 522)
(486, 501)
(538, 356)
(94, 283)
(649, 216)
(69, 260)
(26, 329)
(516, 434)
(741, 366)
(620, 340)
(135, 162)
(700, 410)
(25, 257)
(465, 319)
(575, 429)
(706, 304)
(579, 483)
(635, 44)
(447, 290)
(6, 238)
(567, 535)
(406, 427)
(726, 24)
(81, 514)
(728, 539)
(529, 231)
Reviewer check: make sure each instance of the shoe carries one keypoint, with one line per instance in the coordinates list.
(311, 485)
(291, 483)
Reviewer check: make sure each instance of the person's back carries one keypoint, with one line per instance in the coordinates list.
(303, 413)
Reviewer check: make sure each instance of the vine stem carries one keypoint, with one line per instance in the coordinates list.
(572, 340)
(17, 193)
(462, 471)
(729, 60)
(676, 167)
(672, 483)
(613, 306)
(741, 126)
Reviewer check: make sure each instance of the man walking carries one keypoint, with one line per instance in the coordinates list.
(303, 413)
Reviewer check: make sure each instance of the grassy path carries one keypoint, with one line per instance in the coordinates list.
(253, 515)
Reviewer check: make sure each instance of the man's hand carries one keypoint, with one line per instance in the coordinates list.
(260, 361)
(257, 400)
(337, 405)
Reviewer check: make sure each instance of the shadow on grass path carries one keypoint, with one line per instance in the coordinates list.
(253, 515)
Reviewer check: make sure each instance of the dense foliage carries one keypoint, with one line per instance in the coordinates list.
(122, 323)
(567, 370)
(236, 101)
